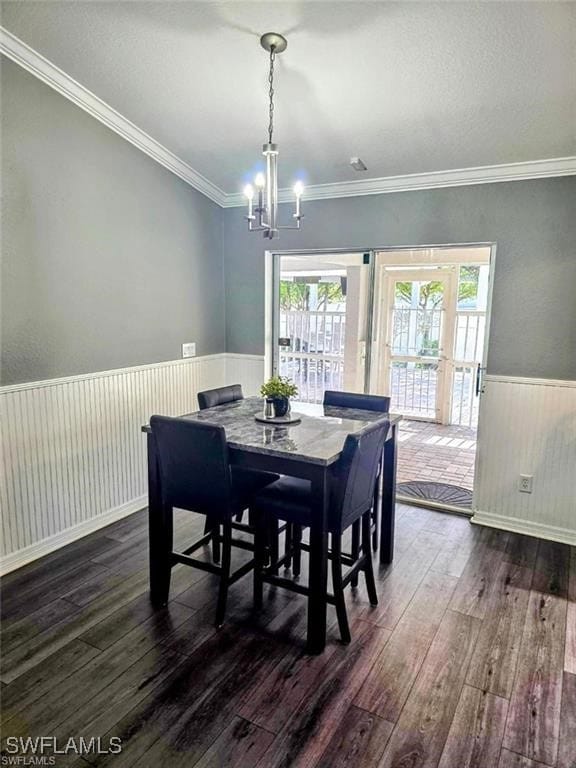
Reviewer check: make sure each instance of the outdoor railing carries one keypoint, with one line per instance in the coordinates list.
(315, 358)
(315, 362)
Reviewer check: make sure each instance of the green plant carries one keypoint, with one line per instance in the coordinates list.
(295, 296)
(279, 386)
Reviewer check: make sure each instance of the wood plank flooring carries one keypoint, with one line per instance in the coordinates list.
(468, 661)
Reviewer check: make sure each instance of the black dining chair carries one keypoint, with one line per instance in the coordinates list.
(351, 496)
(195, 475)
(381, 404)
(219, 396)
(359, 401)
(210, 398)
(362, 402)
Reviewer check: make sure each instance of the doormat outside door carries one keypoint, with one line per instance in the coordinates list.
(443, 493)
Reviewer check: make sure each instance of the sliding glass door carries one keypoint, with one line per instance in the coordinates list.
(321, 319)
(407, 323)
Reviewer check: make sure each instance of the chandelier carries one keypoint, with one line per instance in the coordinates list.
(263, 212)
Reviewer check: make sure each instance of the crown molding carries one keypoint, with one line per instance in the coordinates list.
(49, 73)
(488, 174)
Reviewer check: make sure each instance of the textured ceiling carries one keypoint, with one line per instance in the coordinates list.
(409, 87)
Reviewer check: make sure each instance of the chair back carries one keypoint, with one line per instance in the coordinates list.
(194, 465)
(357, 400)
(355, 475)
(211, 397)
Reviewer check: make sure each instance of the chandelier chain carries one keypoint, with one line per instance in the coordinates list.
(271, 94)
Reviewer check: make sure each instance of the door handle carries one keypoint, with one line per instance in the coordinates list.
(479, 370)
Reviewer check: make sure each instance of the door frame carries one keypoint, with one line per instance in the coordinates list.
(271, 298)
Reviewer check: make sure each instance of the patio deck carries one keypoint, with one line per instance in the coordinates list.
(443, 454)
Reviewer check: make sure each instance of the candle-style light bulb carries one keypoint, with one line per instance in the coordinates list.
(260, 180)
(298, 190)
(249, 193)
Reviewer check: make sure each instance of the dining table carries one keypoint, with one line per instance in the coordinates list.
(306, 449)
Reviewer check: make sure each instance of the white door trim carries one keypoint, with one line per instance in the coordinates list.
(479, 430)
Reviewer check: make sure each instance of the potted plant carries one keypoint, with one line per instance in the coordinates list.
(279, 389)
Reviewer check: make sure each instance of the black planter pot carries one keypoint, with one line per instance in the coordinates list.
(281, 406)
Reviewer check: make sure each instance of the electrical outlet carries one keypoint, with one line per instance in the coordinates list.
(189, 349)
(525, 483)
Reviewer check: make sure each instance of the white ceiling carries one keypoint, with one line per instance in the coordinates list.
(409, 87)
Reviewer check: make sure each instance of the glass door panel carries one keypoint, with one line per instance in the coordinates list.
(469, 336)
(321, 322)
(415, 342)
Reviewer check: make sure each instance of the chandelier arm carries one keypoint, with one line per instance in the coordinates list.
(258, 227)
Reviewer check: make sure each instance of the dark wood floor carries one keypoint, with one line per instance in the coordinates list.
(468, 660)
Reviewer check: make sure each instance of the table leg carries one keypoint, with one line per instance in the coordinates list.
(318, 565)
(160, 532)
(388, 513)
(377, 508)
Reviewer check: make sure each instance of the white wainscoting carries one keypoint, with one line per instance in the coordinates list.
(73, 455)
(73, 458)
(247, 370)
(527, 426)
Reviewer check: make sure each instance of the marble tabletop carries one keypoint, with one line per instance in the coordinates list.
(318, 438)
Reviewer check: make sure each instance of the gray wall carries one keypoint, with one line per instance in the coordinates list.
(533, 223)
(109, 260)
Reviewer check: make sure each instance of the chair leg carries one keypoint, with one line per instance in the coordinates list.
(355, 548)
(225, 572)
(296, 550)
(367, 554)
(288, 544)
(216, 542)
(260, 556)
(273, 544)
(339, 600)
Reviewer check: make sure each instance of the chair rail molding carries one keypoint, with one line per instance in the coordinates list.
(531, 382)
(38, 65)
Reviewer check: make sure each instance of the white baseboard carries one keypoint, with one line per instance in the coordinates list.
(527, 527)
(58, 540)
